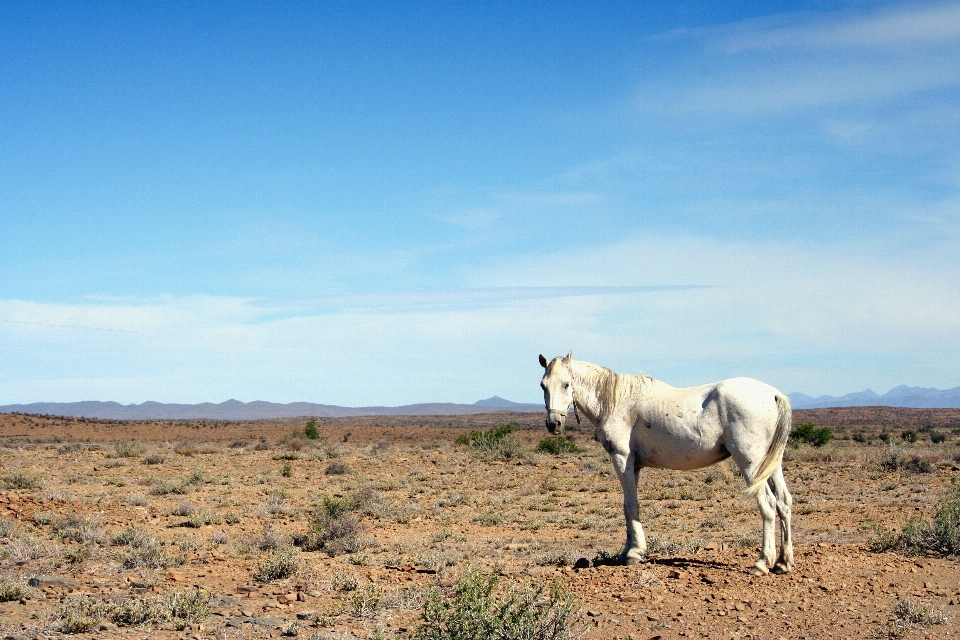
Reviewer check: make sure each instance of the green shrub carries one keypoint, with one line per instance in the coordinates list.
(474, 612)
(809, 434)
(486, 438)
(311, 430)
(499, 442)
(937, 438)
(919, 535)
(909, 436)
(558, 445)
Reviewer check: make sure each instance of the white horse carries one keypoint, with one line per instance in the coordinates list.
(642, 422)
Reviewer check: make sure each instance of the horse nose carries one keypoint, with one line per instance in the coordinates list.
(554, 422)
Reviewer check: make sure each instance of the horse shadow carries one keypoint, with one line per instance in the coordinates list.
(680, 563)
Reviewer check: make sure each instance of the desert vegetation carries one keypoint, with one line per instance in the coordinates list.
(447, 527)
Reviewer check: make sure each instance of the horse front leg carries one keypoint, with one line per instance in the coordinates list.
(635, 548)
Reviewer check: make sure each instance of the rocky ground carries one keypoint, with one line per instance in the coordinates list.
(184, 529)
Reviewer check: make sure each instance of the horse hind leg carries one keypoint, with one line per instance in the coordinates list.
(768, 511)
(784, 510)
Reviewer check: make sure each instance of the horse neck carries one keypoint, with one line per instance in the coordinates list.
(590, 384)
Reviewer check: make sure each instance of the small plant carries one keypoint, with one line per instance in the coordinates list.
(10, 590)
(127, 448)
(78, 614)
(381, 447)
(473, 612)
(558, 445)
(44, 517)
(154, 458)
(941, 536)
(811, 435)
(333, 526)
(282, 562)
(909, 436)
(499, 442)
(286, 471)
(337, 468)
(937, 438)
(485, 438)
(20, 479)
(274, 505)
(185, 508)
(366, 602)
(77, 528)
(896, 459)
(909, 614)
(311, 430)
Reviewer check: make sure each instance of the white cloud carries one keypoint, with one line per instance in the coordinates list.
(829, 319)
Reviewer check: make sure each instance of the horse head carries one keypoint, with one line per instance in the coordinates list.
(557, 385)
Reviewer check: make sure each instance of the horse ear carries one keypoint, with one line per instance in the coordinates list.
(543, 361)
(570, 356)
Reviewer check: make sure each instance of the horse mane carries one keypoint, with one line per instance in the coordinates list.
(611, 387)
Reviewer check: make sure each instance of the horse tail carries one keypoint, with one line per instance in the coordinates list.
(778, 443)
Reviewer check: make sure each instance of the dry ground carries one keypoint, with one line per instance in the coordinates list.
(208, 503)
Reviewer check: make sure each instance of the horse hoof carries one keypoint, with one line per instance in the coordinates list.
(781, 568)
(629, 561)
(759, 569)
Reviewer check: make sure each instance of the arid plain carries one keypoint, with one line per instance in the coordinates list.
(217, 529)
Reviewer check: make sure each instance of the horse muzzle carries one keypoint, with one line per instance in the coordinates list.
(555, 421)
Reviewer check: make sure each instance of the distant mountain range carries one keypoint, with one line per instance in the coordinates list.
(902, 396)
(257, 410)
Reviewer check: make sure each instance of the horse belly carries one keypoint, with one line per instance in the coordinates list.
(667, 455)
(693, 441)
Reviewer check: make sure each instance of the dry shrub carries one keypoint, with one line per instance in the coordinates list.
(337, 468)
(280, 563)
(334, 527)
(78, 528)
(127, 448)
(20, 479)
(78, 614)
(473, 610)
(274, 505)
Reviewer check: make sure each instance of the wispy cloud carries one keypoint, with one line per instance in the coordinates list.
(805, 61)
(474, 218)
(554, 199)
(403, 301)
(912, 25)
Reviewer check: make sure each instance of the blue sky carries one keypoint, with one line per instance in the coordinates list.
(376, 204)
